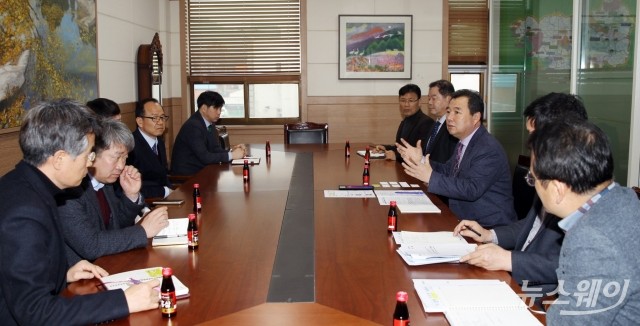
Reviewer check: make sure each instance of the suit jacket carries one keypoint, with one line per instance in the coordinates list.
(414, 128)
(482, 189)
(444, 145)
(538, 262)
(195, 147)
(152, 167)
(33, 266)
(85, 234)
(602, 247)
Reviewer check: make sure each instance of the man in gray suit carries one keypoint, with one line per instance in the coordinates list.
(598, 274)
(97, 222)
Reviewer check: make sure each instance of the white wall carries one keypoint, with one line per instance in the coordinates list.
(122, 26)
(322, 45)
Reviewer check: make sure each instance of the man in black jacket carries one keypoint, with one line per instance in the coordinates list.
(415, 125)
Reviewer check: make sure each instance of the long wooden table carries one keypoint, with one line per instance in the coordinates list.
(357, 271)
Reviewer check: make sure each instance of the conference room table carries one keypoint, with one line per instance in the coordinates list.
(346, 254)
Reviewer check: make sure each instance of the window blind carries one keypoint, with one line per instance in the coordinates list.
(243, 37)
(468, 31)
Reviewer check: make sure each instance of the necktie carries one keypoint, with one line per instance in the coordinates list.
(105, 210)
(456, 167)
(210, 128)
(154, 148)
(432, 138)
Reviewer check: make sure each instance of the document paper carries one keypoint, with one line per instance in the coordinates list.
(408, 201)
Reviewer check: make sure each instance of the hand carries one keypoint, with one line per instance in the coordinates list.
(154, 221)
(489, 256)
(410, 153)
(420, 171)
(462, 229)
(131, 181)
(84, 270)
(389, 155)
(143, 296)
(237, 153)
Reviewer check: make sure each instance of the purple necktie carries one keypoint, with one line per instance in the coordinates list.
(456, 167)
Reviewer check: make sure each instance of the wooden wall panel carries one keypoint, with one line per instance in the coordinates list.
(10, 153)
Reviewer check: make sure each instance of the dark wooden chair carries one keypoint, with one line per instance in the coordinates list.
(306, 133)
(223, 136)
(523, 194)
(637, 190)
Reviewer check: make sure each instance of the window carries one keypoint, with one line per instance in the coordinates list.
(250, 52)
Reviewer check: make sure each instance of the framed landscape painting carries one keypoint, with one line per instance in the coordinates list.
(375, 47)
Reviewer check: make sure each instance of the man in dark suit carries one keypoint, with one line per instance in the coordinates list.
(530, 247)
(572, 170)
(97, 221)
(149, 155)
(415, 125)
(197, 144)
(56, 139)
(440, 145)
(477, 178)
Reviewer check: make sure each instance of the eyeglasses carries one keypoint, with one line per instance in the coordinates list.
(157, 119)
(91, 157)
(530, 179)
(408, 101)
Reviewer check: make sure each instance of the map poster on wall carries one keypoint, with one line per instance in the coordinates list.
(47, 51)
(375, 47)
(607, 35)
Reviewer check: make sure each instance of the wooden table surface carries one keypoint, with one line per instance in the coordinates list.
(357, 271)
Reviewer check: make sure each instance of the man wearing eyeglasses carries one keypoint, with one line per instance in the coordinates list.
(97, 221)
(530, 247)
(149, 154)
(415, 124)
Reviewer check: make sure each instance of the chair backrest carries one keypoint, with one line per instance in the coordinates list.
(523, 194)
(306, 133)
(223, 136)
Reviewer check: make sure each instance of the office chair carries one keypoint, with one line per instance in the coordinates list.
(223, 136)
(306, 133)
(523, 194)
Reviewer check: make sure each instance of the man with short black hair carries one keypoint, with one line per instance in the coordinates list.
(598, 274)
(440, 145)
(415, 125)
(197, 144)
(477, 178)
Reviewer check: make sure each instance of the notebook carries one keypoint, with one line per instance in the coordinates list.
(474, 302)
(174, 234)
(126, 279)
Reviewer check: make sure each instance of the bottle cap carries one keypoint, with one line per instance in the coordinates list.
(392, 203)
(246, 161)
(402, 296)
(192, 217)
(196, 185)
(167, 271)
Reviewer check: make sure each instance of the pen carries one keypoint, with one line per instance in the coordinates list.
(472, 230)
(172, 236)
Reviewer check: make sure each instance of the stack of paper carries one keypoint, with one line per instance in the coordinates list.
(372, 154)
(474, 302)
(408, 201)
(126, 279)
(174, 234)
(423, 248)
